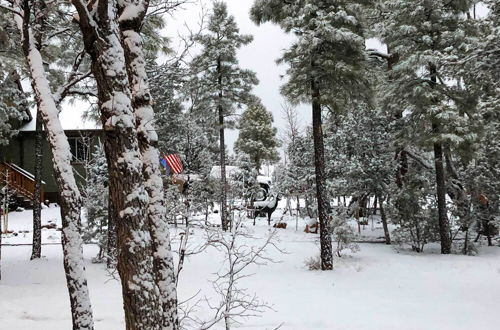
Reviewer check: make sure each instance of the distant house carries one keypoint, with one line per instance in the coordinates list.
(19, 154)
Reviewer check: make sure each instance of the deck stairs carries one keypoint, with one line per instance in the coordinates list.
(19, 183)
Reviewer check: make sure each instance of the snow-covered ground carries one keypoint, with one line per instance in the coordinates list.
(377, 288)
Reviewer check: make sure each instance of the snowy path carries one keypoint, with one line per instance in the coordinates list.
(376, 288)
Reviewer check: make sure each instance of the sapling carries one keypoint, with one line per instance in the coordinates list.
(235, 303)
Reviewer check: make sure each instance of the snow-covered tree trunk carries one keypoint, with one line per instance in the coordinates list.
(148, 141)
(444, 226)
(40, 10)
(319, 164)
(70, 198)
(112, 245)
(136, 248)
(37, 197)
(222, 151)
(383, 217)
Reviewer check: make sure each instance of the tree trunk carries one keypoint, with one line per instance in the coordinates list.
(457, 193)
(319, 164)
(40, 12)
(129, 198)
(308, 206)
(148, 144)
(70, 199)
(298, 205)
(112, 252)
(222, 147)
(37, 197)
(444, 226)
(383, 216)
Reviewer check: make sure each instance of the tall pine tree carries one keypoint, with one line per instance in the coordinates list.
(257, 136)
(224, 86)
(424, 35)
(326, 65)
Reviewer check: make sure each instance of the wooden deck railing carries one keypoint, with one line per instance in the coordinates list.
(20, 182)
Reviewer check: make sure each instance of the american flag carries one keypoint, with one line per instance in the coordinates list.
(172, 162)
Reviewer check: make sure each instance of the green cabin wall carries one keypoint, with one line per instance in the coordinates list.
(21, 151)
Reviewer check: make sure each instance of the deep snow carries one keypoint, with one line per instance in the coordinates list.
(377, 288)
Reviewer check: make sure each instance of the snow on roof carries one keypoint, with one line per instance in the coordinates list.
(71, 116)
(264, 179)
(230, 170)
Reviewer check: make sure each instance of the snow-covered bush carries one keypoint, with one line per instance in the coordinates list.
(342, 233)
(174, 203)
(343, 236)
(244, 181)
(416, 217)
(202, 195)
(313, 263)
(413, 208)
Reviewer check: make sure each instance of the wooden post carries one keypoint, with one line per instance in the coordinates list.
(6, 203)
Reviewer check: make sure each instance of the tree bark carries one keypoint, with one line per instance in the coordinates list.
(70, 199)
(298, 205)
(457, 193)
(37, 197)
(222, 150)
(148, 144)
(129, 198)
(112, 251)
(383, 217)
(39, 12)
(444, 226)
(319, 164)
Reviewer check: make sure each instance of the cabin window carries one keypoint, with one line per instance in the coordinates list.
(79, 149)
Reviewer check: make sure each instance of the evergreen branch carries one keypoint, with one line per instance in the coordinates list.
(12, 10)
(54, 34)
(74, 78)
(166, 7)
(81, 93)
(419, 160)
(64, 90)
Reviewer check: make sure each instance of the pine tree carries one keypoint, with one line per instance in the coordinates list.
(361, 155)
(245, 179)
(257, 136)
(424, 35)
(478, 64)
(224, 86)
(118, 64)
(166, 81)
(326, 65)
(12, 102)
(96, 196)
(480, 60)
(70, 198)
(66, 74)
(298, 177)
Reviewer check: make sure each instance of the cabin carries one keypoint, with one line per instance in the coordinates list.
(17, 159)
